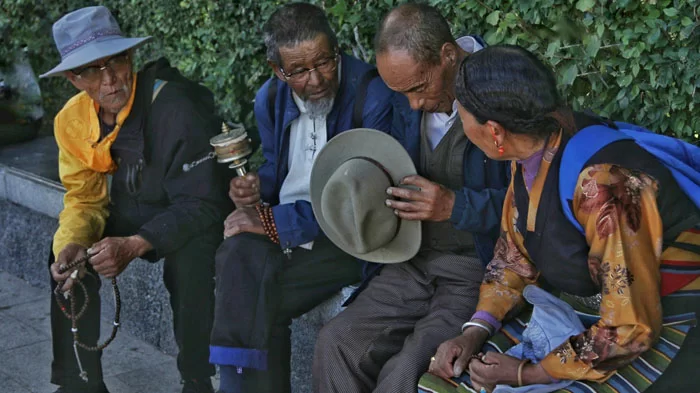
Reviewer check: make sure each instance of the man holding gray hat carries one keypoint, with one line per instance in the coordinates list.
(383, 342)
(123, 143)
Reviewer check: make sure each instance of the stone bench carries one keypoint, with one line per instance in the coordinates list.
(29, 207)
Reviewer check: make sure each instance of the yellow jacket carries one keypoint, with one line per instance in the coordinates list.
(83, 164)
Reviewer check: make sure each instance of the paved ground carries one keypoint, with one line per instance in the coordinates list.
(130, 365)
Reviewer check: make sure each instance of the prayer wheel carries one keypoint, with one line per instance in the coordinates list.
(232, 147)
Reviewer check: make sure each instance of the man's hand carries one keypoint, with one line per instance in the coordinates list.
(111, 255)
(70, 253)
(243, 219)
(245, 190)
(452, 356)
(430, 202)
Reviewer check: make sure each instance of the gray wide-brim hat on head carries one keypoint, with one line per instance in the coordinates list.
(86, 35)
(349, 179)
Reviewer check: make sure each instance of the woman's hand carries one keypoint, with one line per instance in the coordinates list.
(491, 369)
(452, 357)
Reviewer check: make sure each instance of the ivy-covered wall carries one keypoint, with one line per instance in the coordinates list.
(634, 60)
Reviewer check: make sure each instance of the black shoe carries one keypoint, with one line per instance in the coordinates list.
(82, 389)
(198, 386)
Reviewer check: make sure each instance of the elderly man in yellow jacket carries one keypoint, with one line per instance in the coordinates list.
(142, 131)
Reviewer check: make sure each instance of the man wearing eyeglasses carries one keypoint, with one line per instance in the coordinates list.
(275, 263)
(137, 130)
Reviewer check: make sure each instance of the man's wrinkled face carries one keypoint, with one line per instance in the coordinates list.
(107, 81)
(428, 87)
(310, 68)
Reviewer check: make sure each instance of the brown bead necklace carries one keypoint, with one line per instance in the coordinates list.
(74, 317)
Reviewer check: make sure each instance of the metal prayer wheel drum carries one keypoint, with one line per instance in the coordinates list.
(232, 146)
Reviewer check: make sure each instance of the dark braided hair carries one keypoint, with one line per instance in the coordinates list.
(509, 85)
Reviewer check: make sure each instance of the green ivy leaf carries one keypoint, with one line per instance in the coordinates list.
(620, 94)
(670, 12)
(585, 5)
(654, 36)
(493, 18)
(625, 80)
(552, 48)
(687, 31)
(593, 45)
(569, 75)
(495, 37)
(678, 124)
(652, 78)
(600, 29)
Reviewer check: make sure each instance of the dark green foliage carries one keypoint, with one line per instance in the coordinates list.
(633, 60)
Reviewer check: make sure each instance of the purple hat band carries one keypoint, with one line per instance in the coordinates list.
(92, 37)
(86, 35)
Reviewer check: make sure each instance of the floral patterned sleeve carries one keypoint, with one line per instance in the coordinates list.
(508, 273)
(617, 208)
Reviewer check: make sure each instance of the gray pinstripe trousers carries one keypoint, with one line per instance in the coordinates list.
(384, 340)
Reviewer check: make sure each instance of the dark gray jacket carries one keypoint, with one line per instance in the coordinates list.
(151, 194)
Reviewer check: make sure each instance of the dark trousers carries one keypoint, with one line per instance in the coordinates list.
(258, 292)
(383, 341)
(188, 276)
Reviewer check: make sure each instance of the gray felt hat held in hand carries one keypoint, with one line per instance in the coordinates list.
(86, 35)
(349, 179)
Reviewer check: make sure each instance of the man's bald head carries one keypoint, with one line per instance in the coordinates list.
(416, 28)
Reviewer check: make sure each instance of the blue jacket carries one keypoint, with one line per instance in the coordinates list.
(479, 204)
(295, 222)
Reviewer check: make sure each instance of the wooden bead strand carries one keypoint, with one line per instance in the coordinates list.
(75, 316)
(268, 222)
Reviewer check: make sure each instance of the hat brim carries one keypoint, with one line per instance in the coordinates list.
(97, 49)
(380, 147)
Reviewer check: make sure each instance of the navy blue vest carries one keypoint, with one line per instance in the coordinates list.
(557, 248)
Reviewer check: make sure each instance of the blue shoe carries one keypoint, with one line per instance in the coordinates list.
(231, 380)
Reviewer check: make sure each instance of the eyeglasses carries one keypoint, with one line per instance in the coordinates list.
(328, 64)
(94, 73)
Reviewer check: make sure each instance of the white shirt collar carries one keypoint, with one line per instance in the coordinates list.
(437, 124)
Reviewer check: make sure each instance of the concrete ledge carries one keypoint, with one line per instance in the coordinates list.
(29, 207)
(32, 191)
(24, 251)
(304, 332)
